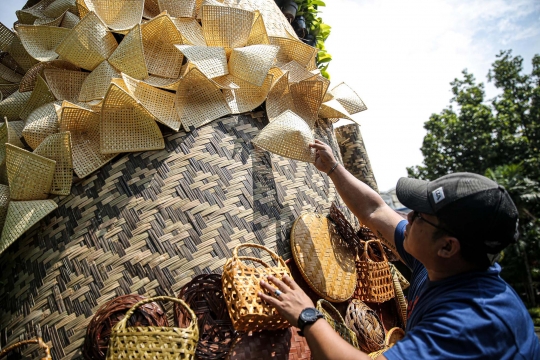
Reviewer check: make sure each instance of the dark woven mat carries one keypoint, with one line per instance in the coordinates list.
(149, 222)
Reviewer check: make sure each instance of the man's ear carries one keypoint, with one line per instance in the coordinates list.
(450, 247)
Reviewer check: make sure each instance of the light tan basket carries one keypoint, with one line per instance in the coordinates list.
(41, 41)
(30, 176)
(367, 326)
(83, 126)
(129, 55)
(226, 26)
(119, 16)
(159, 103)
(287, 135)
(252, 63)
(96, 84)
(348, 98)
(153, 342)
(258, 34)
(65, 84)
(392, 337)
(41, 123)
(307, 96)
(334, 318)
(178, 8)
(190, 30)
(291, 49)
(88, 43)
(375, 281)
(211, 61)
(199, 101)
(159, 36)
(12, 106)
(126, 126)
(38, 341)
(324, 259)
(58, 148)
(40, 96)
(241, 284)
(248, 96)
(279, 98)
(29, 79)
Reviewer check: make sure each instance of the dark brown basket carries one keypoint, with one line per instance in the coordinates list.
(344, 227)
(205, 297)
(275, 345)
(108, 315)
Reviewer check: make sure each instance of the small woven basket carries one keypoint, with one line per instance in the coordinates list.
(152, 342)
(270, 345)
(367, 326)
(343, 226)
(375, 281)
(334, 318)
(99, 330)
(216, 333)
(38, 341)
(392, 336)
(241, 284)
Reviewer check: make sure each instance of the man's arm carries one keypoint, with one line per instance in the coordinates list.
(362, 200)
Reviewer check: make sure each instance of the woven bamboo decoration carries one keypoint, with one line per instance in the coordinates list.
(375, 282)
(348, 98)
(41, 41)
(334, 318)
(279, 98)
(296, 71)
(204, 295)
(190, 30)
(211, 61)
(128, 57)
(226, 26)
(252, 63)
(400, 297)
(96, 84)
(367, 326)
(265, 345)
(119, 16)
(291, 49)
(20, 55)
(41, 123)
(288, 135)
(29, 80)
(241, 284)
(21, 216)
(9, 75)
(258, 34)
(41, 95)
(178, 8)
(307, 97)
(333, 110)
(4, 203)
(30, 175)
(109, 314)
(151, 9)
(344, 227)
(248, 96)
(6, 37)
(57, 147)
(154, 342)
(65, 84)
(33, 11)
(12, 106)
(325, 260)
(58, 7)
(44, 347)
(392, 336)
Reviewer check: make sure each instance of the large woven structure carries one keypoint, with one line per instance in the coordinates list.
(149, 222)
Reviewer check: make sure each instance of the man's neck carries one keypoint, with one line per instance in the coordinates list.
(448, 269)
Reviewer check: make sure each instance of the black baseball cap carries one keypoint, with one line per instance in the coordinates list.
(476, 210)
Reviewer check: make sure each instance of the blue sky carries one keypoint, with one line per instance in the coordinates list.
(400, 57)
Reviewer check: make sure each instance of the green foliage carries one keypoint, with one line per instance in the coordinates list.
(535, 315)
(316, 27)
(501, 139)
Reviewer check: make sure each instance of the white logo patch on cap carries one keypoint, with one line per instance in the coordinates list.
(438, 195)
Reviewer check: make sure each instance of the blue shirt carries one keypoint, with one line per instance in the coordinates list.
(475, 315)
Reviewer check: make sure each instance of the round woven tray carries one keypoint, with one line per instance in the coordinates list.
(99, 330)
(149, 222)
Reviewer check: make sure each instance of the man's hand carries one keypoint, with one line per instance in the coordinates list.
(324, 157)
(290, 302)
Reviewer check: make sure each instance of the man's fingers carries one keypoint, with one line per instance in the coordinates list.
(280, 284)
(269, 299)
(317, 146)
(290, 282)
(317, 141)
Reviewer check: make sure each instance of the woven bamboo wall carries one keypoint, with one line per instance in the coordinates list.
(149, 222)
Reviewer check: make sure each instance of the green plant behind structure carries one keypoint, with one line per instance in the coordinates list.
(316, 27)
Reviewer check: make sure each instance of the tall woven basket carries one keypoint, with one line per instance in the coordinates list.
(149, 222)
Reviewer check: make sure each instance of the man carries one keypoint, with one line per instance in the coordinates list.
(459, 307)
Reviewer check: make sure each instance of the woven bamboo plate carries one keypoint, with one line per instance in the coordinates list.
(128, 57)
(325, 260)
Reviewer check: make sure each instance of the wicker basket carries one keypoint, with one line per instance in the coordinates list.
(344, 227)
(375, 281)
(109, 314)
(153, 342)
(392, 336)
(270, 345)
(367, 326)
(216, 334)
(241, 284)
(334, 318)
(38, 341)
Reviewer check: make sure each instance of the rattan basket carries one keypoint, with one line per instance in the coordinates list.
(241, 284)
(367, 326)
(205, 296)
(270, 345)
(153, 342)
(392, 336)
(109, 314)
(325, 260)
(44, 347)
(375, 281)
(334, 318)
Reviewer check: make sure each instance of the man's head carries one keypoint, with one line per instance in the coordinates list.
(476, 211)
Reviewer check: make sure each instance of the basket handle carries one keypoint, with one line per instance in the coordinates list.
(122, 324)
(366, 249)
(329, 308)
(243, 258)
(278, 259)
(38, 341)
